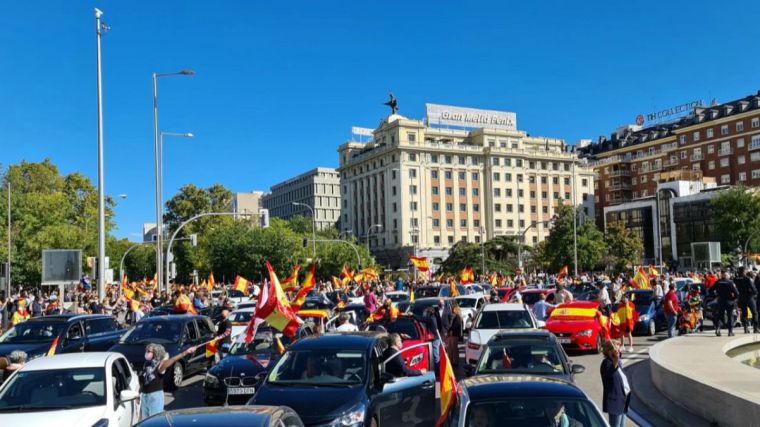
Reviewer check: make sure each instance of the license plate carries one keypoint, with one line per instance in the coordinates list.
(241, 390)
(563, 340)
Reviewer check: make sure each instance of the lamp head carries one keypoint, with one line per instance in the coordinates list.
(187, 72)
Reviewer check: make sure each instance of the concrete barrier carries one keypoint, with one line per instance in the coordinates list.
(695, 372)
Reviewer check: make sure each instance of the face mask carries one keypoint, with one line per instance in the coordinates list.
(148, 356)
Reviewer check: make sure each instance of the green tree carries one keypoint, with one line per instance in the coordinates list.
(559, 244)
(736, 213)
(625, 248)
(500, 255)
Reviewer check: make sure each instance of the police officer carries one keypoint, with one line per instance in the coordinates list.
(727, 294)
(747, 299)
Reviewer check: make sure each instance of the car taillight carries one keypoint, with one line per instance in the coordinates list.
(473, 346)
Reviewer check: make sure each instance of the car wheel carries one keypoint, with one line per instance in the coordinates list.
(177, 376)
(598, 348)
(652, 328)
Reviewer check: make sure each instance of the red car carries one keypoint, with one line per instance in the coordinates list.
(531, 296)
(579, 325)
(505, 294)
(412, 332)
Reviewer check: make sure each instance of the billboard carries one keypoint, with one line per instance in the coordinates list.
(61, 265)
(447, 115)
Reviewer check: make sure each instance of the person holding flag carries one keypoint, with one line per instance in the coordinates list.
(223, 339)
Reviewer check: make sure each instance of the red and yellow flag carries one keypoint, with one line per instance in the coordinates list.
(241, 284)
(211, 281)
(379, 315)
(51, 350)
(453, 291)
(346, 275)
(291, 282)
(448, 387)
(641, 281)
(274, 308)
(653, 273)
(306, 287)
(467, 276)
(562, 272)
(421, 263)
(211, 349)
(337, 284)
(280, 347)
(127, 292)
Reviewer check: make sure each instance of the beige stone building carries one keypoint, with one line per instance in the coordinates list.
(422, 187)
(319, 189)
(247, 202)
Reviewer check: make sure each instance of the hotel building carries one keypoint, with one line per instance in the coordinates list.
(319, 189)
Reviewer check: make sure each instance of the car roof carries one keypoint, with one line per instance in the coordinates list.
(244, 310)
(349, 341)
(512, 334)
(171, 317)
(67, 317)
(221, 415)
(470, 296)
(504, 306)
(537, 291)
(70, 361)
(488, 387)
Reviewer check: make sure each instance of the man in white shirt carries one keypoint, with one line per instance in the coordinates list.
(344, 325)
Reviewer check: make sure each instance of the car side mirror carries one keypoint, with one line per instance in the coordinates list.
(541, 324)
(127, 395)
(577, 369)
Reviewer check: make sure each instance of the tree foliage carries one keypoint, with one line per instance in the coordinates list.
(736, 213)
(558, 250)
(624, 248)
(500, 255)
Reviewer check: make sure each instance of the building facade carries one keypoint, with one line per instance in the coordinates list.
(318, 188)
(721, 142)
(249, 203)
(420, 188)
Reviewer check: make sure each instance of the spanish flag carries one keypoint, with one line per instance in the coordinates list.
(211, 281)
(306, 287)
(467, 276)
(562, 272)
(274, 309)
(346, 275)
(421, 263)
(241, 285)
(411, 296)
(280, 347)
(291, 282)
(127, 292)
(337, 284)
(641, 281)
(653, 273)
(379, 314)
(453, 291)
(211, 349)
(448, 387)
(53, 346)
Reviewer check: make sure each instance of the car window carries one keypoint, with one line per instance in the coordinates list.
(162, 332)
(119, 381)
(533, 411)
(190, 334)
(204, 329)
(32, 332)
(52, 389)
(407, 328)
(99, 326)
(320, 367)
(511, 319)
(75, 331)
(522, 357)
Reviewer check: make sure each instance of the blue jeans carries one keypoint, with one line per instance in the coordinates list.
(671, 318)
(617, 420)
(437, 351)
(151, 404)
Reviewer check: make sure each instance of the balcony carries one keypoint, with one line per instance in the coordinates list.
(697, 157)
(621, 186)
(620, 172)
(655, 167)
(726, 151)
(669, 163)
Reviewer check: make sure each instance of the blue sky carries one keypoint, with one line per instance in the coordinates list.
(279, 84)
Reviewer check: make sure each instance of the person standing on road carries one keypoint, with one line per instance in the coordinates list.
(541, 306)
(152, 378)
(670, 307)
(370, 301)
(616, 392)
(727, 294)
(224, 334)
(456, 330)
(562, 295)
(747, 300)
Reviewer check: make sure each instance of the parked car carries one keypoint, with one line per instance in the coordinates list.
(176, 333)
(525, 352)
(445, 290)
(469, 306)
(419, 305)
(426, 292)
(249, 416)
(91, 389)
(504, 293)
(651, 315)
(339, 380)
(522, 400)
(240, 319)
(397, 297)
(360, 315)
(578, 325)
(233, 380)
(74, 334)
(531, 296)
(412, 333)
(493, 318)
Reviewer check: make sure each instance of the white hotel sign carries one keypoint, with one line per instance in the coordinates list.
(448, 115)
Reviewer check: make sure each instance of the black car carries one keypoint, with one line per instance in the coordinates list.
(525, 352)
(233, 380)
(176, 333)
(419, 305)
(339, 379)
(360, 312)
(523, 400)
(249, 416)
(317, 303)
(75, 333)
(426, 292)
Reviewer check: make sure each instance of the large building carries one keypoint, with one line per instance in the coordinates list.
(460, 175)
(247, 202)
(319, 189)
(720, 142)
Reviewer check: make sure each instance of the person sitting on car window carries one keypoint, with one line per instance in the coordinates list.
(480, 417)
(313, 367)
(394, 363)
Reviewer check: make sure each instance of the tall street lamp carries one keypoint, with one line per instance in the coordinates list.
(100, 28)
(482, 252)
(313, 229)
(158, 161)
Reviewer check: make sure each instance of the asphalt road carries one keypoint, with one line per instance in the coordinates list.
(191, 393)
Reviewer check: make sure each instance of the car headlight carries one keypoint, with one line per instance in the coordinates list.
(585, 333)
(352, 417)
(211, 381)
(644, 318)
(415, 360)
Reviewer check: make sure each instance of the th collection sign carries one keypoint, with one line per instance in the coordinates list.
(668, 112)
(447, 115)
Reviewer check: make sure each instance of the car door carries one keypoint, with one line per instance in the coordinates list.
(408, 401)
(74, 338)
(191, 339)
(122, 379)
(98, 333)
(205, 334)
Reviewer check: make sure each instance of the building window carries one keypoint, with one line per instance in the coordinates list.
(682, 139)
(462, 176)
(475, 192)
(449, 207)
(496, 176)
(450, 239)
(532, 209)
(695, 166)
(434, 158)
(709, 133)
(742, 176)
(725, 179)
(518, 163)
(724, 162)
(543, 180)
(567, 196)
(522, 223)
(711, 164)
(393, 190)
(462, 207)
(449, 191)
(740, 143)
(643, 179)
(567, 181)
(436, 222)
(519, 177)
(475, 207)
(507, 162)
(436, 206)
(532, 194)
(437, 240)
(449, 223)
(508, 192)
(435, 191)
(754, 157)
(684, 155)
(755, 142)
(412, 137)
(510, 223)
(462, 160)
(521, 208)
(740, 126)
(498, 223)
(545, 209)
(584, 182)
(741, 160)
(756, 174)
(497, 207)
(462, 191)
(724, 130)
(710, 149)
(755, 122)
(447, 159)
(520, 193)
(695, 136)
(413, 206)
(447, 175)
(434, 174)
(463, 223)
(495, 161)
(412, 173)
(509, 207)
(412, 189)
(497, 192)
(412, 157)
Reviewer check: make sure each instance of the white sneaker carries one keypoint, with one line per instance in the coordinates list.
(631, 349)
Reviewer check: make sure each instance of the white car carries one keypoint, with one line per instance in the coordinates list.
(397, 297)
(78, 389)
(470, 305)
(493, 318)
(240, 319)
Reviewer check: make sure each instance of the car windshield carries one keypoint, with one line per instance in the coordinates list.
(533, 412)
(32, 332)
(322, 367)
(234, 293)
(54, 389)
(446, 291)
(521, 357)
(504, 319)
(398, 297)
(467, 302)
(407, 328)
(153, 332)
(241, 317)
(263, 342)
(426, 292)
(640, 301)
(531, 298)
(419, 307)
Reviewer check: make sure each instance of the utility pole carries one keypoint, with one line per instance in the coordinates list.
(575, 228)
(99, 29)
